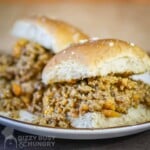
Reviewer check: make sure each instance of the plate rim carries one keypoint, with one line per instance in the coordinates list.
(83, 130)
(74, 134)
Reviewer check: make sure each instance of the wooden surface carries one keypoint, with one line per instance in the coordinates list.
(123, 21)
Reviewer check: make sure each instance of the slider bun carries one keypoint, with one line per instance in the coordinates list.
(51, 34)
(96, 58)
(134, 116)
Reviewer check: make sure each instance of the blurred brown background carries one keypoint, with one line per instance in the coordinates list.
(135, 1)
(124, 19)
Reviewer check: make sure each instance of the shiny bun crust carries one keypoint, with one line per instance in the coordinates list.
(51, 34)
(96, 58)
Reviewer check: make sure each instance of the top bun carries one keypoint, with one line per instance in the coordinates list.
(96, 58)
(51, 34)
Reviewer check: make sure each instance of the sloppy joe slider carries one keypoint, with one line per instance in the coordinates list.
(98, 84)
(38, 39)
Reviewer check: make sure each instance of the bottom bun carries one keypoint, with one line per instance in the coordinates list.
(135, 116)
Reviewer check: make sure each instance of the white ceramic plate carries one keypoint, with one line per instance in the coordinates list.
(74, 133)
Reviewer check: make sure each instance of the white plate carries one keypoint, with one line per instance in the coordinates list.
(74, 133)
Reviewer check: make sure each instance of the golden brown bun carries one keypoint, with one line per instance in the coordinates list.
(96, 58)
(52, 34)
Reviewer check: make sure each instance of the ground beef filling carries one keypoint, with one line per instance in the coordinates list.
(30, 61)
(8, 102)
(6, 66)
(111, 95)
(24, 87)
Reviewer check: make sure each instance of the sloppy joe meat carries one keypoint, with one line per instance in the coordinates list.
(20, 77)
(110, 95)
